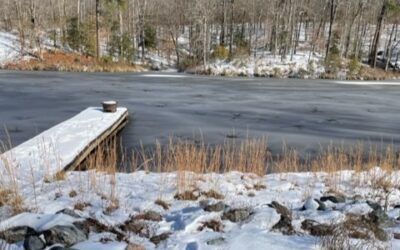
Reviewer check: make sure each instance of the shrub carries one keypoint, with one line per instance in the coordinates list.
(241, 52)
(220, 52)
(333, 62)
(187, 63)
(150, 34)
(354, 66)
(74, 36)
(277, 72)
(311, 67)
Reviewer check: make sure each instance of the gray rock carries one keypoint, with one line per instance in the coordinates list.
(16, 234)
(333, 198)
(34, 242)
(284, 225)
(83, 226)
(322, 206)
(69, 212)
(374, 205)
(379, 216)
(58, 247)
(216, 242)
(237, 215)
(158, 238)
(65, 235)
(216, 207)
(280, 209)
(315, 228)
(153, 216)
(310, 204)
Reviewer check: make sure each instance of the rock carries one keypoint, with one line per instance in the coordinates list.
(58, 248)
(214, 225)
(334, 199)
(236, 215)
(34, 242)
(187, 195)
(280, 209)
(374, 205)
(149, 215)
(311, 204)
(131, 246)
(16, 234)
(69, 212)
(65, 235)
(322, 206)
(315, 228)
(138, 227)
(216, 207)
(284, 225)
(216, 242)
(379, 216)
(158, 238)
(83, 226)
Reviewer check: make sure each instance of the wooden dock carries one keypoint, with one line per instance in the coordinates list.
(62, 147)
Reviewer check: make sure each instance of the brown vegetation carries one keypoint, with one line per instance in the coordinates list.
(74, 62)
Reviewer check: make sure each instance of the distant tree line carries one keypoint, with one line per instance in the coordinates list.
(129, 29)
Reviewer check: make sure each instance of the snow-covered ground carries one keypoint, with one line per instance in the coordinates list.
(10, 47)
(265, 64)
(119, 200)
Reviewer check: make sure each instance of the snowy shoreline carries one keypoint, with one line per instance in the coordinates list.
(247, 214)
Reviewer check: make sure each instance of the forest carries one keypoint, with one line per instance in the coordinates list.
(195, 32)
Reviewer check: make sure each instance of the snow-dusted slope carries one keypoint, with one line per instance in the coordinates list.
(9, 47)
(137, 192)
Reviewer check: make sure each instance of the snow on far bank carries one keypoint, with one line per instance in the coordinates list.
(266, 64)
(10, 47)
(51, 151)
(390, 83)
(163, 76)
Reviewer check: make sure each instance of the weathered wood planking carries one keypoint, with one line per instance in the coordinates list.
(113, 130)
(62, 147)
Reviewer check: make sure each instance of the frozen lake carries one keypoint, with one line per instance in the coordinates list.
(304, 113)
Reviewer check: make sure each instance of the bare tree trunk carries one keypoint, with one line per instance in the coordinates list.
(97, 29)
(205, 43)
(231, 31)
(377, 36)
(389, 48)
(223, 24)
(333, 5)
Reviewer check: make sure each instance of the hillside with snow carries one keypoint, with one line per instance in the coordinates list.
(10, 47)
(216, 211)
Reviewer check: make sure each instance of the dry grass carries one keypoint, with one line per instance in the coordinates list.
(162, 204)
(213, 194)
(191, 160)
(74, 62)
(9, 189)
(355, 233)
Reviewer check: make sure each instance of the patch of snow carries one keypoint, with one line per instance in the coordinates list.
(393, 83)
(10, 47)
(163, 76)
(137, 192)
(38, 222)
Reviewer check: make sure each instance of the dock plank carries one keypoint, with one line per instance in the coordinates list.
(62, 147)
